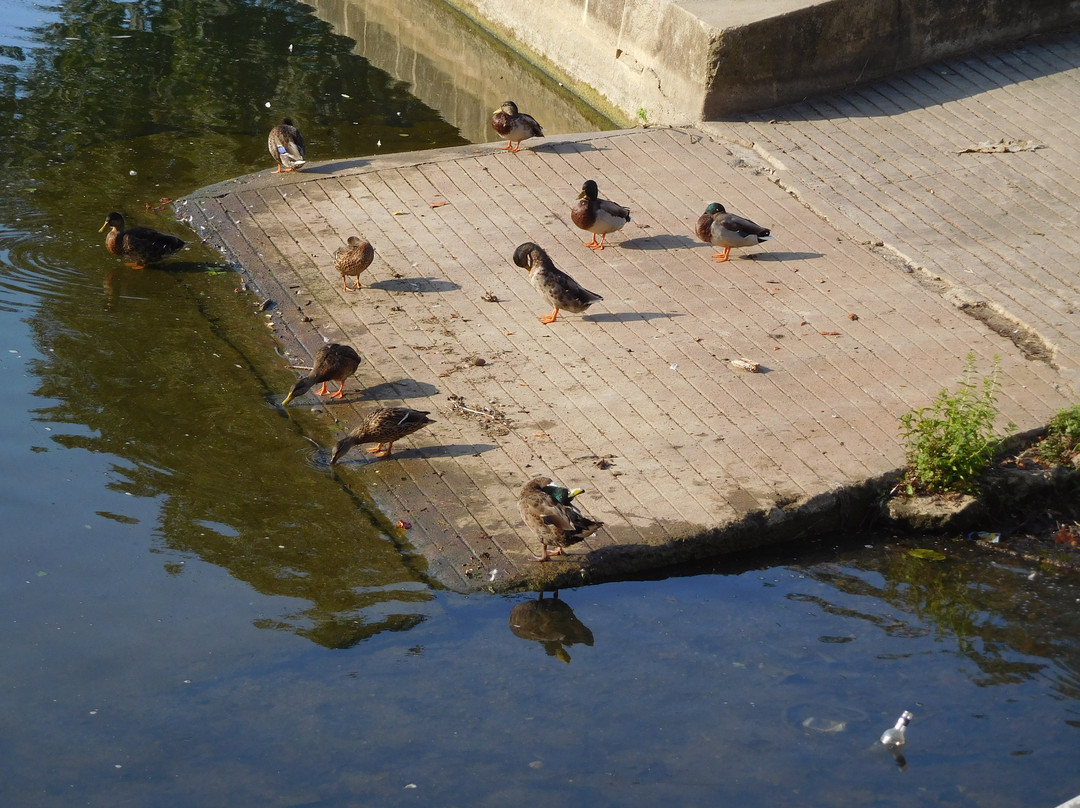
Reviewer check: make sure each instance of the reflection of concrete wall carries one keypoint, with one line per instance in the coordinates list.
(453, 66)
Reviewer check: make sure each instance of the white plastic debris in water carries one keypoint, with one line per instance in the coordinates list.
(896, 736)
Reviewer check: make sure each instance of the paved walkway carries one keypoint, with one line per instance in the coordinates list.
(681, 454)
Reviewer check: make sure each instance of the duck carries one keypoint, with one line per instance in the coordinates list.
(722, 229)
(382, 425)
(140, 245)
(353, 259)
(554, 523)
(286, 146)
(514, 125)
(333, 362)
(561, 291)
(597, 216)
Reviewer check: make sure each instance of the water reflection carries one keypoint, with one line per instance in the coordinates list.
(550, 622)
(985, 609)
(166, 372)
(453, 67)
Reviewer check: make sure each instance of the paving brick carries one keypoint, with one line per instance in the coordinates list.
(636, 401)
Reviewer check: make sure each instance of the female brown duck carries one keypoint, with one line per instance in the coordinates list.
(382, 425)
(286, 146)
(140, 245)
(353, 259)
(561, 291)
(333, 363)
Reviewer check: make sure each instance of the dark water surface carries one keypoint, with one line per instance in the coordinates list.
(196, 614)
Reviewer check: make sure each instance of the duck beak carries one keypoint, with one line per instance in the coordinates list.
(340, 449)
(102, 230)
(581, 195)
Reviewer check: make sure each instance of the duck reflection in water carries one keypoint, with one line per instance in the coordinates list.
(550, 622)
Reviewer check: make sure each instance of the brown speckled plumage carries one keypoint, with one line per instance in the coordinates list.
(333, 363)
(353, 259)
(561, 291)
(382, 425)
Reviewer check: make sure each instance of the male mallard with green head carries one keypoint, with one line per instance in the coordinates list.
(382, 425)
(597, 216)
(140, 245)
(286, 146)
(514, 125)
(333, 363)
(561, 291)
(722, 229)
(555, 523)
(354, 259)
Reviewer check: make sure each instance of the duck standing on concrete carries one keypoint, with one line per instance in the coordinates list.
(382, 425)
(561, 291)
(597, 216)
(556, 524)
(140, 245)
(353, 259)
(722, 229)
(286, 146)
(333, 362)
(514, 125)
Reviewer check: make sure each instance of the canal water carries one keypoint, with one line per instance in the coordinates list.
(196, 614)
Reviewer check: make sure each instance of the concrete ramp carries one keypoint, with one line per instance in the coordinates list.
(682, 454)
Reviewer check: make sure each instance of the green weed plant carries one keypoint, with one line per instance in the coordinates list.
(1062, 439)
(952, 442)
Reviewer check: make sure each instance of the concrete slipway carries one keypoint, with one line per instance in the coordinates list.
(897, 252)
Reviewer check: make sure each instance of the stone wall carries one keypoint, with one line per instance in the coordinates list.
(682, 61)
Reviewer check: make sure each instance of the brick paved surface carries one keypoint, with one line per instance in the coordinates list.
(681, 455)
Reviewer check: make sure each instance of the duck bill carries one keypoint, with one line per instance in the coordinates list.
(102, 229)
(342, 447)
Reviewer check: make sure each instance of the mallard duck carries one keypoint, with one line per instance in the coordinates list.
(354, 259)
(597, 216)
(514, 125)
(554, 523)
(382, 425)
(722, 229)
(561, 291)
(139, 244)
(333, 362)
(550, 622)
(286, 146)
